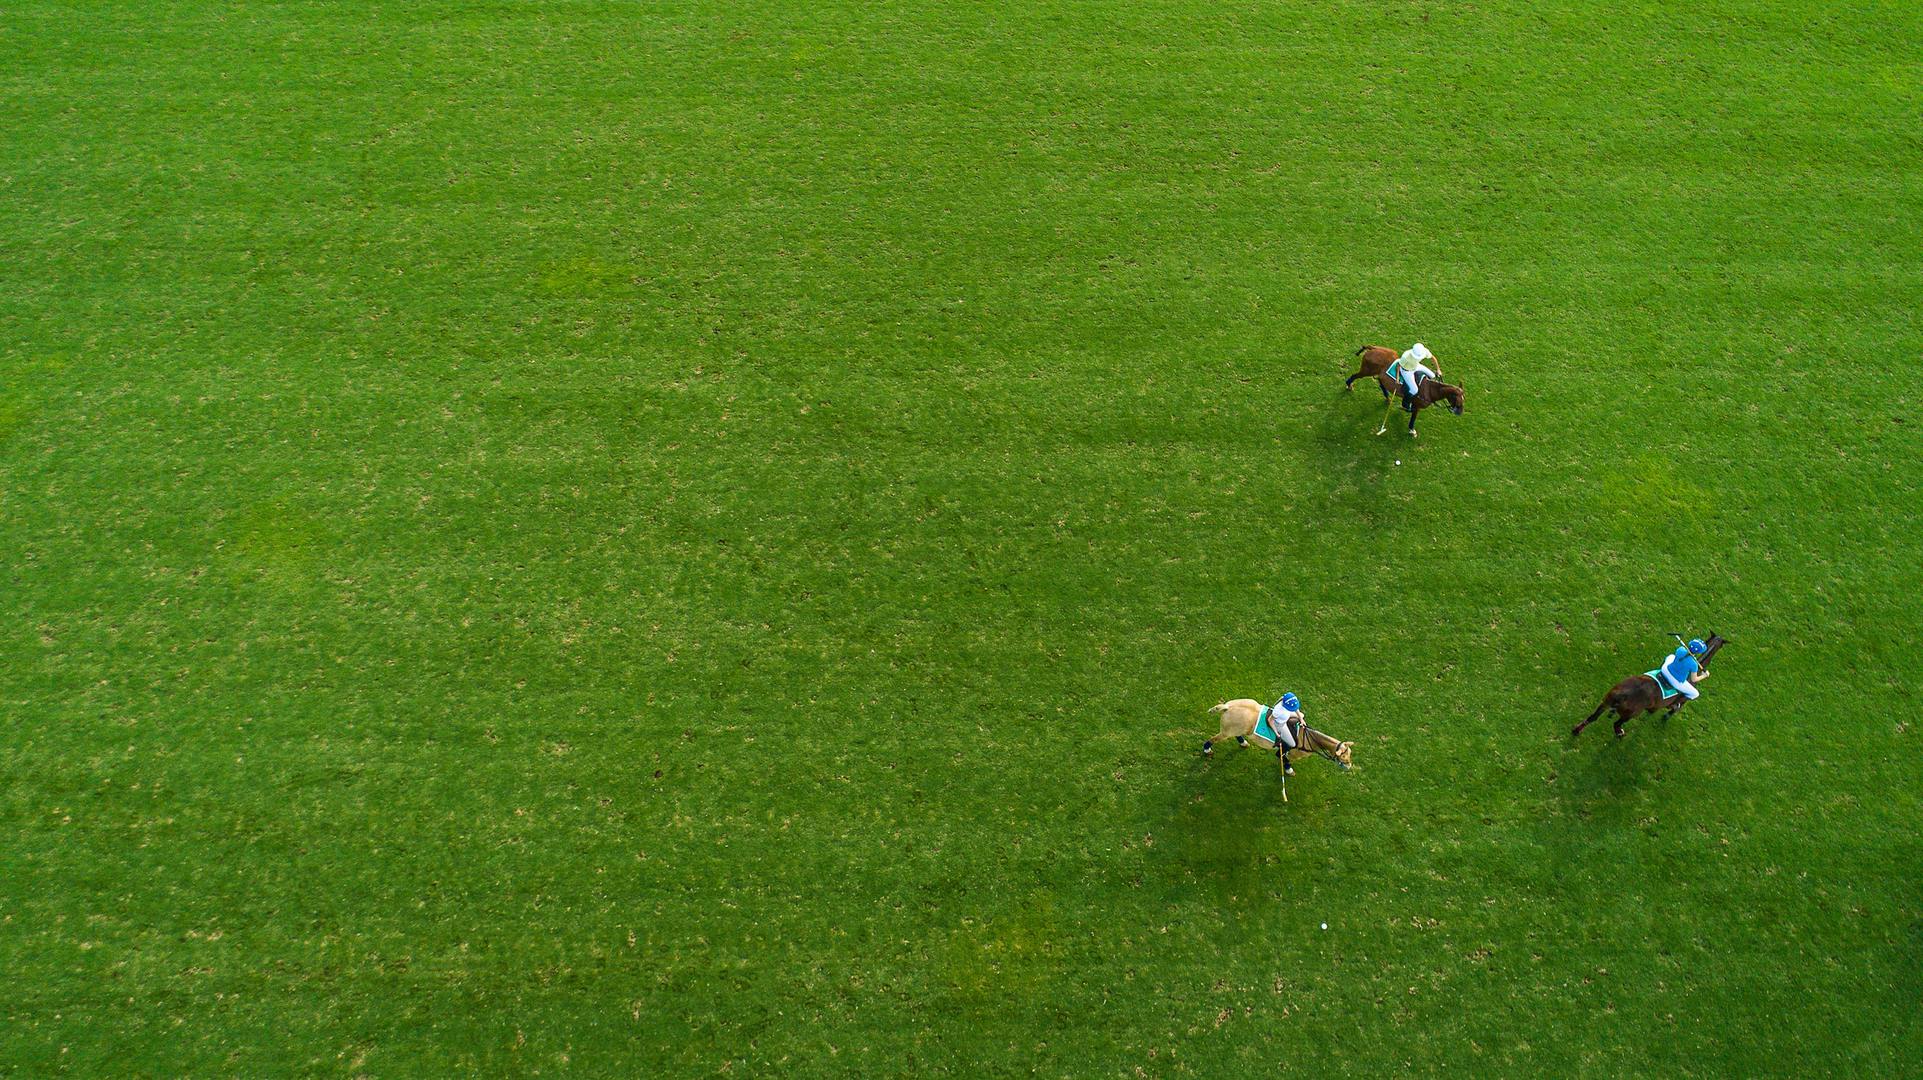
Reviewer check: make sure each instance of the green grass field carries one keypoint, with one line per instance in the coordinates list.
(668, 540)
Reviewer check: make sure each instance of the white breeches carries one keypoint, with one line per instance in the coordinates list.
(1409, 372)
(1684, 687)
(1279, 723)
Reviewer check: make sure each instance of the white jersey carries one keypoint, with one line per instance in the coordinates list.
(1409, 365)
(1279, 721)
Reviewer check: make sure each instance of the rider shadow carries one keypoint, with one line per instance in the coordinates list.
(1606, 785)
(1607, 799)
(1224, 829)
(1354, 460)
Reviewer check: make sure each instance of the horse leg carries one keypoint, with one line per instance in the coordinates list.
(1414, 412)
(1222, 732)
(1590, 719)
(1621, 719)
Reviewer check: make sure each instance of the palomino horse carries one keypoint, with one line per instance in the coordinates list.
(1376, 361)
(1642, 693)
(1239, 721)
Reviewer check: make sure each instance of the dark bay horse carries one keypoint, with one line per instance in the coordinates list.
(1641, 693)
(1376, 361)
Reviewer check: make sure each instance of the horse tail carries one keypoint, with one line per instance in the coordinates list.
(1218, 709)
(1362, 350)
(1591, 718)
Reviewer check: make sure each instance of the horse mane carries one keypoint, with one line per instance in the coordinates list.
(1311, 733)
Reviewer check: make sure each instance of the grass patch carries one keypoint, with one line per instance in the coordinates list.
(590, 539)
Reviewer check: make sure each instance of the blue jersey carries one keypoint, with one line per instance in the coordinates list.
(1680, 666)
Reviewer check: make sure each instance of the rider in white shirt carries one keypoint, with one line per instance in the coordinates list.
(1282, 717)
(1409, 365)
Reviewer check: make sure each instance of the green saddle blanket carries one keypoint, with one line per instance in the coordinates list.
(1662, 683)
(1395, 372)
(1265, 730)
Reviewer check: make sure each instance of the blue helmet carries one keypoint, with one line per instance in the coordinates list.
(1290, 703)
(1696, 646)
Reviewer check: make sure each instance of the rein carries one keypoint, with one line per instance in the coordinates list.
(1317, 750)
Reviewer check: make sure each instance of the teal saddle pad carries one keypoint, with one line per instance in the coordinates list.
(1265, 730)
(1662, 683)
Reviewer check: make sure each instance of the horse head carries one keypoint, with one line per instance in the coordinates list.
(1454, 396)
(1342, 751)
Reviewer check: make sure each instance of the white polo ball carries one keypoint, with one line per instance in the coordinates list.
(1325, 926)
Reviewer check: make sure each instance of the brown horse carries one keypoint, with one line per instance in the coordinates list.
(1376, 361)
(1642, 693)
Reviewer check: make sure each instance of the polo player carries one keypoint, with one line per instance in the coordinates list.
(1410, 370)
(1682, 671)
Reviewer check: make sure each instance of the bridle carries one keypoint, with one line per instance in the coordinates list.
(1317, 750)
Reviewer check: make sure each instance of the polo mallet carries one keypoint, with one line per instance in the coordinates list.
(1708, 653)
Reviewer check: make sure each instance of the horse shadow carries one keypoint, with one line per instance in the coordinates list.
(1355, 463)
(1603, 784)
(1225, 831)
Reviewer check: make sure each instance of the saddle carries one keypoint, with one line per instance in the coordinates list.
(1408, 399)
(1662, 684)
(1265, 729)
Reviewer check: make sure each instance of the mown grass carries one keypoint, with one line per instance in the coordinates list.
(668, 539)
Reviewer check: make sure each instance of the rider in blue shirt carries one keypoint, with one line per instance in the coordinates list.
(1682, 671)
